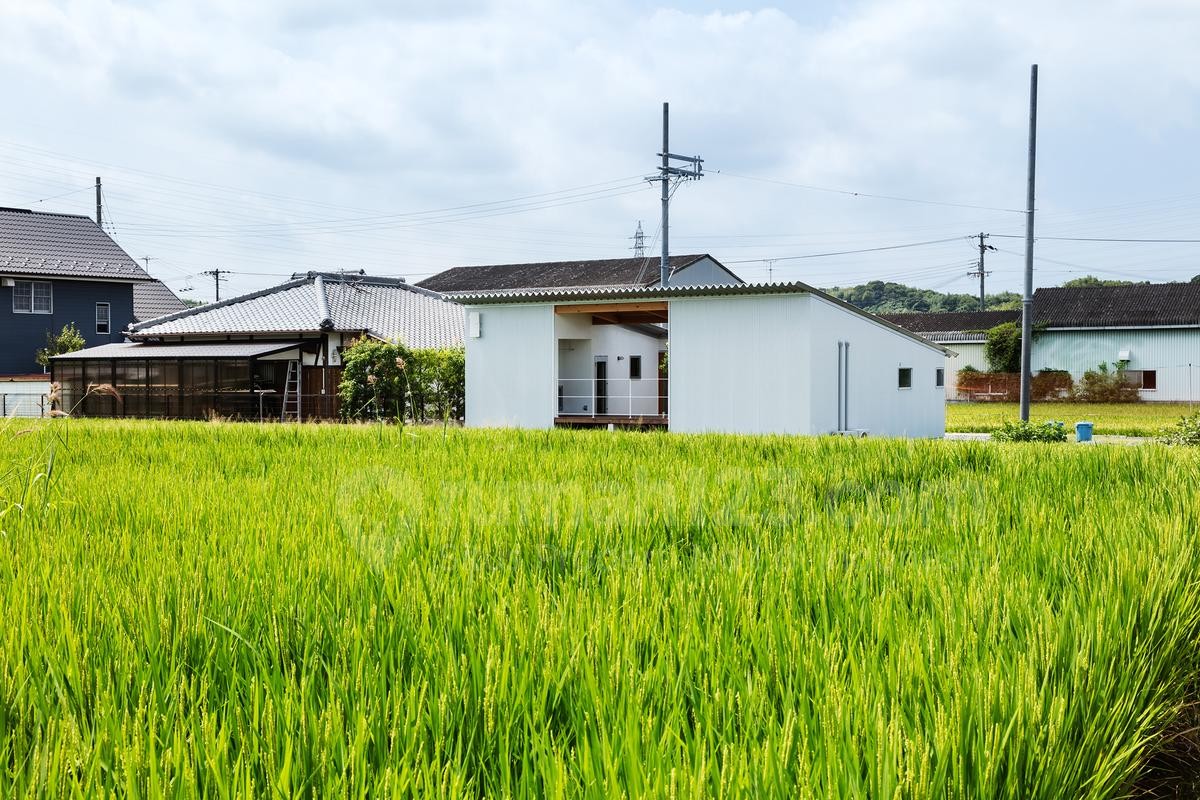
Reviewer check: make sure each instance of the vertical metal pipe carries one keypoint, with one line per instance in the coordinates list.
(99, 217)
(839, 387)
(1027, 298)
(664, 265)
(846, 391)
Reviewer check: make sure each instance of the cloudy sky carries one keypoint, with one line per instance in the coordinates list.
(405, 137)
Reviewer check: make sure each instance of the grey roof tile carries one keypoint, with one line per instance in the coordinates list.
(385, 307)
(61, 245)
(184, 350)
(608, 272)
(154, 299)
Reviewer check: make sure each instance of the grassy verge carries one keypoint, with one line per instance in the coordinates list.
(221, 610)
(1117, 419)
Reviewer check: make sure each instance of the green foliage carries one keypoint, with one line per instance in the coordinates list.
(1092, 280)
(386, 380)
(1186, 431)
(968, 369)
(1104, 385)
(1116, 419)
(68, 340)
(565, 614)
(881, 297)
(1003, 348)
(1019, 431)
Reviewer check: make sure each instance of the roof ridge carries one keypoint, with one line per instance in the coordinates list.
(188, 312)
(15, 210)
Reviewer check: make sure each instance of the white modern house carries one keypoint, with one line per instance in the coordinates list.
(964, 333)
(738, 358)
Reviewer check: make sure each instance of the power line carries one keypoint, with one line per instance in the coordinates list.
(846, 252)
(1099, 239)
(850, 193)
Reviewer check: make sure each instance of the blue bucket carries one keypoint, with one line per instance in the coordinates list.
(1083, 431)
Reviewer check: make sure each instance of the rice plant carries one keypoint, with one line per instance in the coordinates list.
(231, 610)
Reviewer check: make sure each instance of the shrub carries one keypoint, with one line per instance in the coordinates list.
(1102, 385)
(1184, 432)
(1051, 384)
(387, 379)
(68, 340)
(1003, 348)
(1052, 431)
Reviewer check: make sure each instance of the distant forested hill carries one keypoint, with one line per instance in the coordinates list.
(893, 298)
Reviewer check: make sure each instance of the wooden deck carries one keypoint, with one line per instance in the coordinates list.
(604, 420)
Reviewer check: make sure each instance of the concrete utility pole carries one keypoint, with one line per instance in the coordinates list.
(666, 172)
(980, 272)
(99, 213)
(1027, 299)
(216, 276)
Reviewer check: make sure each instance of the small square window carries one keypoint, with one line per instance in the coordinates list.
(635, 368)
(941, 377)
(905, 378)
(32, 297)
(103, 318)
(1149, 379)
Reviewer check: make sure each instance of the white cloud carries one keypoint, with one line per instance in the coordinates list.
(403, 107)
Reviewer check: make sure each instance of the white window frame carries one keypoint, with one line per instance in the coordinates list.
(33, 297)
(639, 368)
(900, 370)
(107, 319)
(939, 378)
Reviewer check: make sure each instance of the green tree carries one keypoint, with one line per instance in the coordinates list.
(1003, 348)
(1092, 280)
(388, 380)
(881, 297)
(68, 340)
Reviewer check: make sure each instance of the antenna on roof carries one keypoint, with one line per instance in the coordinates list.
(99, 213)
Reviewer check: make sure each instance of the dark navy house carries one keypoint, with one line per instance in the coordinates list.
(57, 269)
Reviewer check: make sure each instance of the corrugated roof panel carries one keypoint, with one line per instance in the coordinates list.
(183, 350)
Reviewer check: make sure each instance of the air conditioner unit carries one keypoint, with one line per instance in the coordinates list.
(9, 282)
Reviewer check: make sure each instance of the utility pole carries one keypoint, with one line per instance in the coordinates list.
(216, 276)
(666, 172)
(1027, 299)
(979, 271)
(639, 242)
(99, 213)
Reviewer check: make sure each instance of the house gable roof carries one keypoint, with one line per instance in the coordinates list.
(559, 274)
(1136, 306)
(387, 308)
(37, 243)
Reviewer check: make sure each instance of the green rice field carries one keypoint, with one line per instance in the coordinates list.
(1115, 419)
(234, 610)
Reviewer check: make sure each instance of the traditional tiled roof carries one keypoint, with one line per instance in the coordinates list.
(952, 321)
(557, 274)
(1136, 306)
(154, 299)
(387, 308)
(36, 243)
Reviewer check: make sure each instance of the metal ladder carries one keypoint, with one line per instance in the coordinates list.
(291, 393)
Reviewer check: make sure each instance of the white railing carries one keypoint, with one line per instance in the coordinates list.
(610, 397)
(23, 405)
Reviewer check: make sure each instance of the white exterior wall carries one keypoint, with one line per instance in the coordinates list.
(511, 367)
(969, 354)
(875, 401)
(739, 364)
(1173, 352)
(581, 344)
(704, 272)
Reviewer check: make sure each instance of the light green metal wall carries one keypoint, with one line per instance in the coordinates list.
(1173, 352)
(969, 354)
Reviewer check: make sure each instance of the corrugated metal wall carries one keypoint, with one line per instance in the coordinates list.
(1174, 354)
